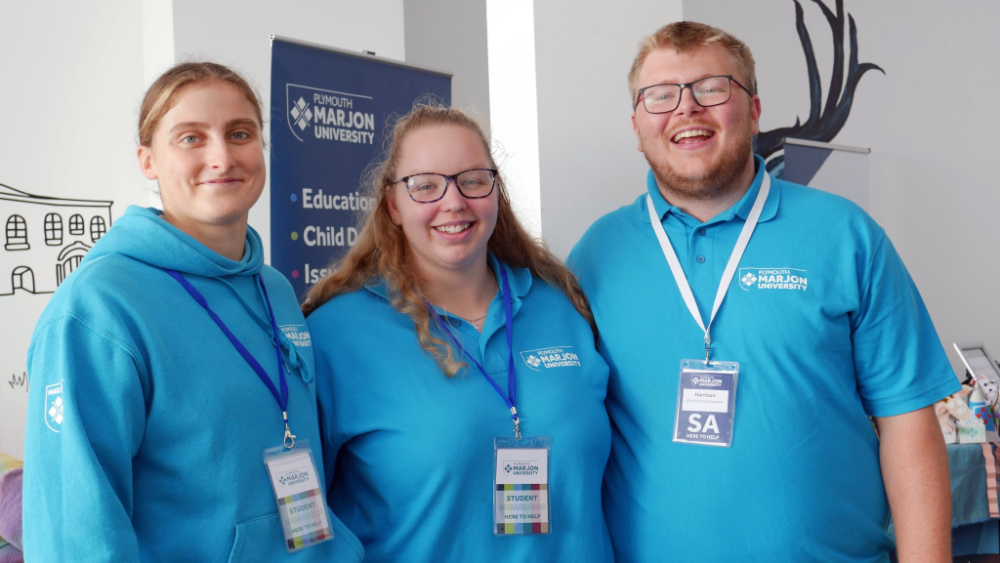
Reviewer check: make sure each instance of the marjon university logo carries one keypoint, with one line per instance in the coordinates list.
(328, 115)
(54, 406)
(552, 357)
(773, 279)
(297, 334)
(301, 114)
(521, 468)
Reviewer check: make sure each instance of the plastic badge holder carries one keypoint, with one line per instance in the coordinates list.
(521, 502)
(299, 495)
(706, 402)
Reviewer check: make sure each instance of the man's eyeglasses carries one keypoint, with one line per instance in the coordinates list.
(707, 92)
(428, 187)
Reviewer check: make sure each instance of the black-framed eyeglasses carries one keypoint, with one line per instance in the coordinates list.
(707, 92)
(428, 187)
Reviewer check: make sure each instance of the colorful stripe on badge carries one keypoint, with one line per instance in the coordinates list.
(298, 542)
(299, 496)
(525, 528)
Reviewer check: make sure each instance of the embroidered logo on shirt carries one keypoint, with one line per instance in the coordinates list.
(553, 357)
(298, 334)
(773, 278)
(54, 406)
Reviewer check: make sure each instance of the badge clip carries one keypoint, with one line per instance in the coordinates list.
(289, 440)
(517, 422)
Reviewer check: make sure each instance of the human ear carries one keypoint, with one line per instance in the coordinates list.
(146, 162)
(635, 129)
(390, 201)
(755, 114)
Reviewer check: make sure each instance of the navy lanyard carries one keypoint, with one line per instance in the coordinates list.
(282, 397)
(510, 398)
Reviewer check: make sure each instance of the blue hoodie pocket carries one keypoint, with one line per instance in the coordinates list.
(260, 540)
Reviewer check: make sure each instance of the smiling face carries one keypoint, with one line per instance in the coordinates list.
(450, 235)
(207, 157)
(697, 153)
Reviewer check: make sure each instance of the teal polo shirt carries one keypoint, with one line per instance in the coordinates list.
(828, 329)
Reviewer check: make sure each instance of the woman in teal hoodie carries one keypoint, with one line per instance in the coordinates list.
(171, 374)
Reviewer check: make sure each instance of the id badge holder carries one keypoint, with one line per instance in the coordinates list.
(521, 485)
(706, 403)
(298, 493)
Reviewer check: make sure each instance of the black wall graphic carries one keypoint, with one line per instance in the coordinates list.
(825, 119)
(45, 238)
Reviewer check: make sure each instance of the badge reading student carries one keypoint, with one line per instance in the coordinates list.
(299, 496)
(706, 403)
(521, 500)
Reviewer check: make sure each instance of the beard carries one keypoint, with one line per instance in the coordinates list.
(721, 179)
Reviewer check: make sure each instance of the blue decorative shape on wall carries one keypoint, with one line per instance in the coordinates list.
(823, 123)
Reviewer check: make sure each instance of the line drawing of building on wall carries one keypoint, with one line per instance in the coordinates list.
(45, 238)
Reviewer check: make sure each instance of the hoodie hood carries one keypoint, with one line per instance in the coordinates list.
(144, 235)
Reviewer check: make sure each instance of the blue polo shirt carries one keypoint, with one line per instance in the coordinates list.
(410, 450)
(828, 329)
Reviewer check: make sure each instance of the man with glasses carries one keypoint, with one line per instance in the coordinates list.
(752, 327)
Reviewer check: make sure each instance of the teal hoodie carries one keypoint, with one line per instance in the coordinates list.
(146, 428)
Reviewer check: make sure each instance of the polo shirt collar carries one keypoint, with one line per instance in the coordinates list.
(519, 278)
(741, 208)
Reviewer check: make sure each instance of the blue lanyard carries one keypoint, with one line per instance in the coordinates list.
(510, 398)
(282, 397)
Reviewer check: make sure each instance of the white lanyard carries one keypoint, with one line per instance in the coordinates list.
(727, 274)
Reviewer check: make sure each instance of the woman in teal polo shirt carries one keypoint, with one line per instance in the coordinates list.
(461, 395)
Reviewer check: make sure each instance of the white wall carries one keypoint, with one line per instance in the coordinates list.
(588, 159)
(935, 175)
(71, 83)
(514, 108)
(450, 36)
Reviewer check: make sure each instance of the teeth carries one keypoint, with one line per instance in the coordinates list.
(691, 133)
(453, 229)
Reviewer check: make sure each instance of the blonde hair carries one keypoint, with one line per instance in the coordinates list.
(381, 251)
(160, 95)
(683, 36)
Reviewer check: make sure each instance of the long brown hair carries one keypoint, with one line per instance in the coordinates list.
(381, 251)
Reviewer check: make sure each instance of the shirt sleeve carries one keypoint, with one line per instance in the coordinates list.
(86, 415)
(900, 363)
(326, 388)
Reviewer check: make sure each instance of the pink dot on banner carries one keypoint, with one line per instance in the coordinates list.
(295, 274)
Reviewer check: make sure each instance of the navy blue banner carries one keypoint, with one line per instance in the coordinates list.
(328, 115)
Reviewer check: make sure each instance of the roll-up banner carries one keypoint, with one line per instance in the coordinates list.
(837, 169)
(329, 110)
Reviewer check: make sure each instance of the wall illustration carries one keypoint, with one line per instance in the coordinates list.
(45, 238)
(825, 119)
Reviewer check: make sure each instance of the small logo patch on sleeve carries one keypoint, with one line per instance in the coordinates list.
(54, 406)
